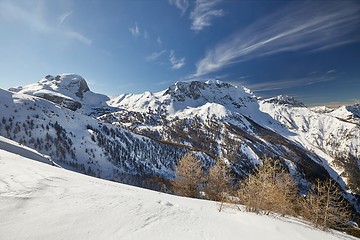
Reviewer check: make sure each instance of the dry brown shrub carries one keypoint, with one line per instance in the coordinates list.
(188, 176)
(218, 182)
(269, 189)
(325, 207)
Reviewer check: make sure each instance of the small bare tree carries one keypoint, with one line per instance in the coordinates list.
(218, 182)
(269, 189)
(325, 207)
(188, 176)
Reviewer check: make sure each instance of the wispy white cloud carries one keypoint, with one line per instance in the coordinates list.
(155, 55)
(176, 63)
(135, 30)
(64, 17)
(203, 13)
(159, 41)
(180, 4)
(78, 36)
(310, 26)
(310, 79)
(31, 17)
(35, 20)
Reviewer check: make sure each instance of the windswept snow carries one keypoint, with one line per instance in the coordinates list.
(38, 201)
(14, 147)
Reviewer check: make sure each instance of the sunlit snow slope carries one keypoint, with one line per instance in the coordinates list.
(39, 201)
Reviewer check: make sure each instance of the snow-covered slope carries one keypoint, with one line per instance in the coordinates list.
(14, 147)
(331, 135)
(317, 130)
(38, 201)
(348, 113)
(70, 91)
(82, 143)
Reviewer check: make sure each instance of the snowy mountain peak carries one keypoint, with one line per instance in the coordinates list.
(71, 82)
(65, 85)
(211, 91)
(354, 109)
(215, 82)
(285, 100)
(349, 113)
(67, 90)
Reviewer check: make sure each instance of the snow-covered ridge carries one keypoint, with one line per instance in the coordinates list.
(348, 113)
(70, 86)
(39, 201)
(285, 100)
(184, 95)
(355, 109)
(210, 91)
(67, 90)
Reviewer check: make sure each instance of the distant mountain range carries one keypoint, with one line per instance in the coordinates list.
(138, 138)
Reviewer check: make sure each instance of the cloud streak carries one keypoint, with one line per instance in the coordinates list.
(292, 83)
(309, 26)
(203, 13)
(135, 31)
(79, 37)
(180, 4)
(33, 19)
(176, 63)
(155, 55)
(159, 41)
(64, 17)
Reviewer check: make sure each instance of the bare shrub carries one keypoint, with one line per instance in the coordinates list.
(325, 207)
(218, 182)
(269, 189)
(188, 176)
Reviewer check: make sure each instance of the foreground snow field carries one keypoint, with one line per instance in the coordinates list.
(39, 201)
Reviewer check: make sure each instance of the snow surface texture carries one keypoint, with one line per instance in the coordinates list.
(38, 201)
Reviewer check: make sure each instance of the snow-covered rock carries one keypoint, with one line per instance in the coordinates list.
(70, 91)
(285, 100)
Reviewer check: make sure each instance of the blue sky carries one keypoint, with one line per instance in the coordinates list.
(309, 50)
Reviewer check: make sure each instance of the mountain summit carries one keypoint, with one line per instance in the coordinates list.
(67, 90)
(68, 85)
